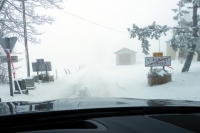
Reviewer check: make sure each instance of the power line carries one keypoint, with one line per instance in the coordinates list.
(94, 22)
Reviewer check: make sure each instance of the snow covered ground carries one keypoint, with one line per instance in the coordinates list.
(105, 79)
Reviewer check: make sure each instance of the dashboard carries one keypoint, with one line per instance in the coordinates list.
(159, 123)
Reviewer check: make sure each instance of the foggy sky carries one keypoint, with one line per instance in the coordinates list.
(71, 41)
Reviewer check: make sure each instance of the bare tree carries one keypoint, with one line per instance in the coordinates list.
(12, 24)
(11, 18)
(3, 70)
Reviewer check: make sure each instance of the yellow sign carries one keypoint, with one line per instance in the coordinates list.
(157, 54)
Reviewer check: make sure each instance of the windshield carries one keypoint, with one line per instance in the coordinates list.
(82, 49)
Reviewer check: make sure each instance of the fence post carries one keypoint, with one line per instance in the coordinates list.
(65, 71)
(69, 71)
(56, 74)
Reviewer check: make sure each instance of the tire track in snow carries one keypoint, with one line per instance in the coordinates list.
(89, 84)
(95, 82)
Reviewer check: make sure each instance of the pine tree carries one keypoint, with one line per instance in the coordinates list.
(185, 35)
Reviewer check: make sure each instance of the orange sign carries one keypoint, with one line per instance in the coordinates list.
(157, 54)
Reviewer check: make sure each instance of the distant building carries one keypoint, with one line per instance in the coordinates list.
(179, 54)
(125, 57)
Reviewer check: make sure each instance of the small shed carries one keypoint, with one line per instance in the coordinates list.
(125, 56)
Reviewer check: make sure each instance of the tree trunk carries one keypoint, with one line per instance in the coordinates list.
(25, 39)
(188, 61)
(189, 57)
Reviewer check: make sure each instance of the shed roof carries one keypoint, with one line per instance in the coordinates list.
(125, 49)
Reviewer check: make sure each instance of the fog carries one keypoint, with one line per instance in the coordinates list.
(96, 30)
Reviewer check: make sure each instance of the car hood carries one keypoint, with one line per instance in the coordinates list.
(18, 107)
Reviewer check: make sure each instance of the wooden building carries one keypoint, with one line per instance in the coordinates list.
(125, 56)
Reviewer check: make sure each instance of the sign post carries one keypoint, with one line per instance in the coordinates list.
(41, 65)
(158, 60)
(8, 45)
(10, 74)
(3, 59)
(158, 54)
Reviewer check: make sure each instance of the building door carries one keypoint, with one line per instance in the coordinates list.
(124, 59)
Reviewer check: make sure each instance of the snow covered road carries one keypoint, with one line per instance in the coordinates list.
(97, 81)
(108, 80)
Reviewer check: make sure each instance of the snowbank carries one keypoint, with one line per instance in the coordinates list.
(108, 80)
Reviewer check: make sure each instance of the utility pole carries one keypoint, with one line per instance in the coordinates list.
(25, 39)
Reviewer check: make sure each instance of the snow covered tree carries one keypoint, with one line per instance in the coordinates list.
(185, 35)
(152, 31)
(12, 24)
(3, 69)
(11, 17)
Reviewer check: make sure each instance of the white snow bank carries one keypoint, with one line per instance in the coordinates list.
(108, 80)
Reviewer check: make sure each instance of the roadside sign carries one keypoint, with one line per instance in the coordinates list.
(157, 61)
(40, 60)
(41, 66)
(8, 43)
(3, 59)
(157, 54)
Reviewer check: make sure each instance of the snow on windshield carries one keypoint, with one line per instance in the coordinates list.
(98, 49)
